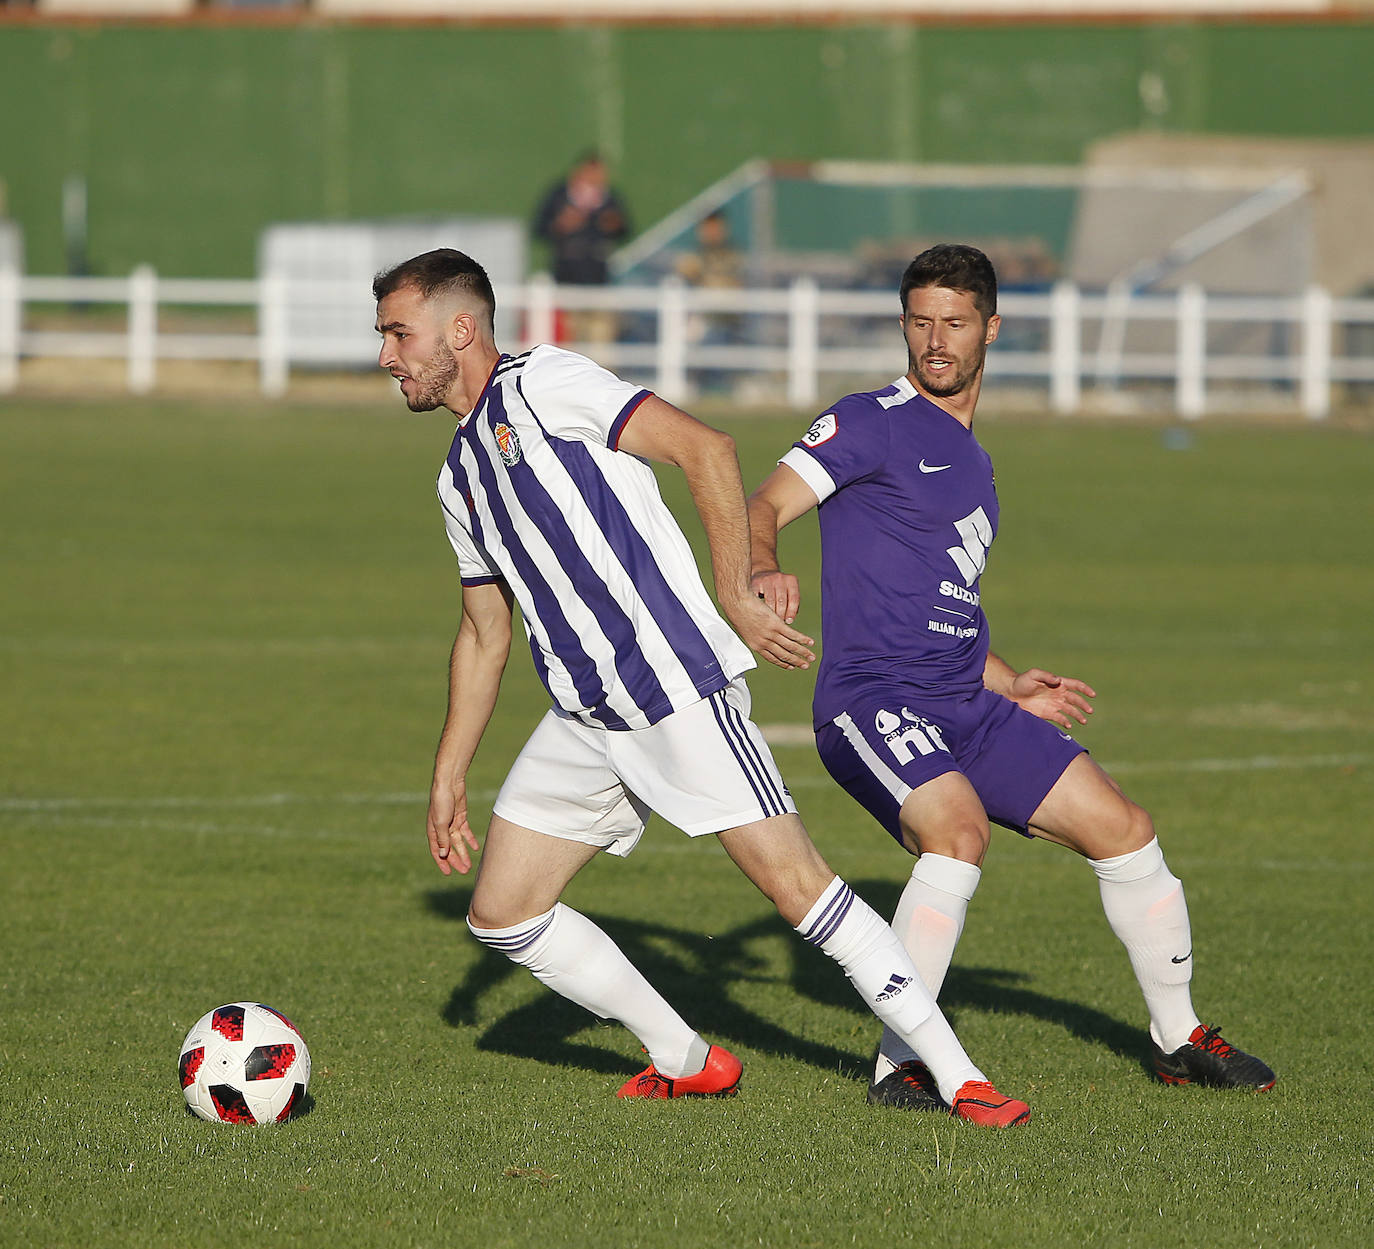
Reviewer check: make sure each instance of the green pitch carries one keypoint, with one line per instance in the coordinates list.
(222, 656)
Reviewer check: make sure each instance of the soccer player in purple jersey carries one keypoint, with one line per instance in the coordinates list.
(548, 502)
(933, 733)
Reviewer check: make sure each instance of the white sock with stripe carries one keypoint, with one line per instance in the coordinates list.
(1145, 906)
(570, 954)
(928, 922)
(845, 927)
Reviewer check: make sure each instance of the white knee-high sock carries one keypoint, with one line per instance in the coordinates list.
(851, 932)
(570, 954)
(1145, 906)
(928, 922)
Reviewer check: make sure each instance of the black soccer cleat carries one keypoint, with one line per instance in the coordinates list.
(1209, 1059)
(909, 1086)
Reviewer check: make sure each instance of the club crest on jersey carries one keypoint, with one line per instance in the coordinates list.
(508, 443)
(822, 430)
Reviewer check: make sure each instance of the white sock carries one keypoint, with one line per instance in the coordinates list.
(1144, 904)
(570, 954)
(845, 927)
(928, 921)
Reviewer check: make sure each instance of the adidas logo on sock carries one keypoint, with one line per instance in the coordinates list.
(895, 985)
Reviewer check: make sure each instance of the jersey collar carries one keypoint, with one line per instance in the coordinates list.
(465, 421)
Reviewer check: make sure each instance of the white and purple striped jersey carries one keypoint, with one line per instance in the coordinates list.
(536, 494)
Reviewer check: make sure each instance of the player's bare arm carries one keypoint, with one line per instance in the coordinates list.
(781, 498)
(476, 663)
(1060, 700)
(659, 431)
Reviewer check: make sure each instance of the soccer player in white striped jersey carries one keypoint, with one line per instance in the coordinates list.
(548, 503)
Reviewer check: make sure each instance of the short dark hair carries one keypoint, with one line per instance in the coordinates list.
(958, 267)
(440, 272)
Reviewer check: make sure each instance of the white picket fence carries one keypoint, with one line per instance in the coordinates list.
(1067, 341)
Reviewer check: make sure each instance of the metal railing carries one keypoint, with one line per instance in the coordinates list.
(1073, 343)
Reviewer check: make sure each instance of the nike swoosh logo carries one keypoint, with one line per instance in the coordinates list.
(1184, 959)
(932, 468)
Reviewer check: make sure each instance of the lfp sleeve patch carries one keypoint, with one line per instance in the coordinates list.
(822, 430)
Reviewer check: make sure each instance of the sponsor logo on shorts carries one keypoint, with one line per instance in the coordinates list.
(908, 734)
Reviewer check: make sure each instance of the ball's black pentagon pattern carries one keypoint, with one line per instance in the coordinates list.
(269, 1062)
(228, 1022)
(292, 1103)
(230, 1104)
(190, 1064)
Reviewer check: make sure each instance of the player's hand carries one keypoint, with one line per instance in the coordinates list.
(450, 836)
(780, 590)
(1060, 700)
(766, 634)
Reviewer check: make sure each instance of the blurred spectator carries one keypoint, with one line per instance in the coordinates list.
(582, 218)
(716, 265)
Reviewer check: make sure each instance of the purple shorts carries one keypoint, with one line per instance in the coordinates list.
(884, 746)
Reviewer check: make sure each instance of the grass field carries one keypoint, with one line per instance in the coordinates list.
(222, 657)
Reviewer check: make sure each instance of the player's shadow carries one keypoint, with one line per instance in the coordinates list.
(1004, 991)
(697, 973)
(700, 975)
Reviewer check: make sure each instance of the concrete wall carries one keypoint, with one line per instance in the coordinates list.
(191, 138)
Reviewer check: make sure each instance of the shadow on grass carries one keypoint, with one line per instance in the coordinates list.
(703, 975)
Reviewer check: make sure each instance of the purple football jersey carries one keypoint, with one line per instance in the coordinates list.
(908, 511)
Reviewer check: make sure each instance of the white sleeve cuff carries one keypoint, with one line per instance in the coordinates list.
(809, 469)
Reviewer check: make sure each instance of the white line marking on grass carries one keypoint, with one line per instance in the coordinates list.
(57, 806)
(1255, 763)
(228, 800)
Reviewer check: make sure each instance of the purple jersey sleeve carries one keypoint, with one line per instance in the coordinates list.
(844, 445)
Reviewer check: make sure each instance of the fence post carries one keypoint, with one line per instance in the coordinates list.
(142, 330)
(1190, 390)
(11, 315)
(1066, 347)
(274, 350)
(1315, 383)
(672, 339)
(541, 310)
(803, 343)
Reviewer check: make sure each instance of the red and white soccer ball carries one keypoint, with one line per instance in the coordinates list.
(244, 1063)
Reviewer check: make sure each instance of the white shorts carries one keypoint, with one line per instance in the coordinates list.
(705, 768)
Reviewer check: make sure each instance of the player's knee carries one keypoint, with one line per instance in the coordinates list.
(1131, 829)
(794, 893)
(481, 921)
(489, 916)
(965, 840)
(794, 887)
(1140, 828)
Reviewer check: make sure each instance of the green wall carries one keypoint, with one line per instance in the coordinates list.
(192, 137)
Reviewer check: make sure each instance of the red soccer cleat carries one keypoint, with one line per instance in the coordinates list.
(980, 1103)
(719, 1078)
